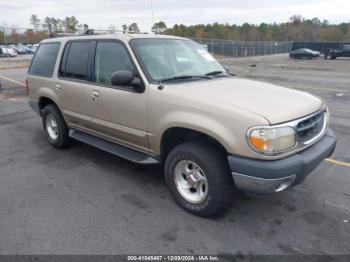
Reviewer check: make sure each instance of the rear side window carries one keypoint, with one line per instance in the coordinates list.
(76, 65)
(44, 60)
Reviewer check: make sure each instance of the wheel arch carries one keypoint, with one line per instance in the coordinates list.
(44, 101)
(174, 136)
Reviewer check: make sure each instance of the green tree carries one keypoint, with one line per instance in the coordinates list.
(125, 28)
(344, 28)
(244, 31)
(71, 23)
(325, 23)
(134, 28)
(263, 30)
(159, 28)
(47, 24)
(35, 21)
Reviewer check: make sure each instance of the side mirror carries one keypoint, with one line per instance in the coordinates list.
(121, 78)
(137, 84)
(127, 78)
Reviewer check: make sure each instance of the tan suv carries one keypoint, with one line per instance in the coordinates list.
(165, 100)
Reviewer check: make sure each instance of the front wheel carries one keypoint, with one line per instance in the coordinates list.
(198, 178)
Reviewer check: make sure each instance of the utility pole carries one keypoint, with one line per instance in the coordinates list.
(152, 12)
(7, 50)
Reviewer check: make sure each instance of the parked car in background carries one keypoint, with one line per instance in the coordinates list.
(344, 51)
(304, 53)
(32, 49)
(20, 49)
(7, 51)
(25, 47)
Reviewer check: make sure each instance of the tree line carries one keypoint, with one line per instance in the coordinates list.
(297, 28)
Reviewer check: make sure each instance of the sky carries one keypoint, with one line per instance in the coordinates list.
(100, 14)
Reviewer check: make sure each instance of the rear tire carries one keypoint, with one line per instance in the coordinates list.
(55, 128)
(212, 193)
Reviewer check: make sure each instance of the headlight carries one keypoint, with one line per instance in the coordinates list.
(272, 140)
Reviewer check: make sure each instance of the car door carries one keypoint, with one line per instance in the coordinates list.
(346, 50)
(74, 87)
(118, 112)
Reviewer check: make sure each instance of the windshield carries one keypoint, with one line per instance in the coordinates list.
(164, 59)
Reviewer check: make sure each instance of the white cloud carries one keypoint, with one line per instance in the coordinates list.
(102, 13)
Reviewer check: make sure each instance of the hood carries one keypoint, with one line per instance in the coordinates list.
(276, 104)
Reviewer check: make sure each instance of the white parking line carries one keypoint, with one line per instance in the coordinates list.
(323, 89)
(336, 162)
(11, 80)
(339, 109)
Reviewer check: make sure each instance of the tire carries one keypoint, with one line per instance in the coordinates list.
(212, 163)
(57, 136)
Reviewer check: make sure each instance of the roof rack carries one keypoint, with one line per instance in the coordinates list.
(95, 32)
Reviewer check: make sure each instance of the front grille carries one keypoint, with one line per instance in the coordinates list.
(311, 128)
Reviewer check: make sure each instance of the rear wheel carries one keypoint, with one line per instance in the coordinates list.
(198, 178)
(55, 128)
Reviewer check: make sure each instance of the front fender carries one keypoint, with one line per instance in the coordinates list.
(195, 122)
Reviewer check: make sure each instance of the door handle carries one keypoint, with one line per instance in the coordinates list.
(95, 94)
(58, 87)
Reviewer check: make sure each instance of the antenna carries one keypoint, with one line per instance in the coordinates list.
(152, 12)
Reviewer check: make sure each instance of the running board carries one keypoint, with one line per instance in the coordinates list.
(115, 149)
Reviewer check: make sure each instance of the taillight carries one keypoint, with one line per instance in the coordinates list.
(27, 87)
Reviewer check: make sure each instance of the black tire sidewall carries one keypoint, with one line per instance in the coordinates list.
(215, 171)
(62, 129)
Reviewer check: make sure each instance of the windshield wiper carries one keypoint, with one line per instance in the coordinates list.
(183, 77)
(214, 73)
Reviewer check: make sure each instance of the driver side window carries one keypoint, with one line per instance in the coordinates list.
(110, 57)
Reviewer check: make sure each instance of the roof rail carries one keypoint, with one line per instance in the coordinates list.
(94, 32)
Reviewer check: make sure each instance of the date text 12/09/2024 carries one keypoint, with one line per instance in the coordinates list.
(173, 258)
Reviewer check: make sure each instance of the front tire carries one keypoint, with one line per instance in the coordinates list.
(55, 128)
(198, 178)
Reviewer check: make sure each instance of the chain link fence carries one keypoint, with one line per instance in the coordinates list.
(232, 48)
(10, 37)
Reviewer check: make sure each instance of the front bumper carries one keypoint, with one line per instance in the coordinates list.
(268, 176)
